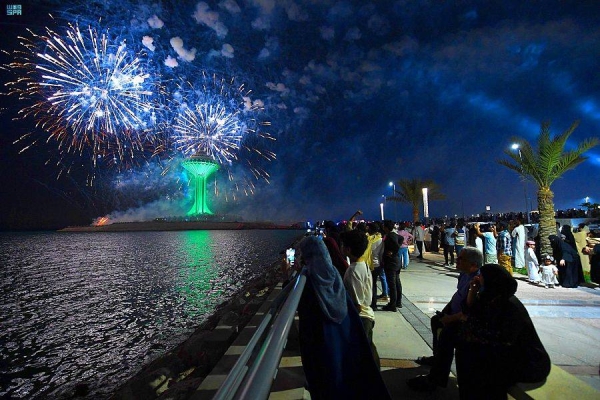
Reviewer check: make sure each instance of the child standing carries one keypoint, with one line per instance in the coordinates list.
(531, 261)
(549, 272)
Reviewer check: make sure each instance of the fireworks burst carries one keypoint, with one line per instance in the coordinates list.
(218, 119)
(209, 129)
(93, 96)
(114, 104)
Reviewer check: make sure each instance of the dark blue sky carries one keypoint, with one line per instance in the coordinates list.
(358, 93)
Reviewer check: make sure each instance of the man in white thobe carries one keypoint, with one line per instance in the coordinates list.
(520, 235)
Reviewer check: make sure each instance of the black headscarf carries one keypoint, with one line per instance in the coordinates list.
(497, 281)
(569, 238)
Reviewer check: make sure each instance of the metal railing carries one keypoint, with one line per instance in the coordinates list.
(254, 382)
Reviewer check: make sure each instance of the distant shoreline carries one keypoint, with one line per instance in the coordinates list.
(177, 226)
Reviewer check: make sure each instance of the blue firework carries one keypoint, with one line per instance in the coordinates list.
(92, 94)
(216, 117)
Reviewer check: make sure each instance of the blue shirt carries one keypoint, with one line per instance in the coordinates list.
(504, 243)
(489, 243)
(462, 289)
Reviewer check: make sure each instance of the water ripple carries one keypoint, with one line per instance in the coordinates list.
(93, 308)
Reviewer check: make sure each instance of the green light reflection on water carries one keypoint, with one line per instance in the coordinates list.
(199, 271)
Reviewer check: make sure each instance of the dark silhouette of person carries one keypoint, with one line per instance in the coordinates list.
(335, 352)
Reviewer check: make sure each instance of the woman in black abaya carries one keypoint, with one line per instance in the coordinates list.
(568, 262)
(336, 354)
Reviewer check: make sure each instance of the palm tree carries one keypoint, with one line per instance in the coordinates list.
(544, 164)
(410, 191)
(591, 208)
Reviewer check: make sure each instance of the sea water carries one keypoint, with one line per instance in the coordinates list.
(92, 308)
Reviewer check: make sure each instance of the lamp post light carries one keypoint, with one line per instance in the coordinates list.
(393, 186)
(516, 146)
(381, 207)
(425, 204)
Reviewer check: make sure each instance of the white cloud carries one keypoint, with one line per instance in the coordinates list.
(327, 33)
(312, 98)
(204, 15)
(353, 34)
(183, 53)
(318, 68)
(264, 54)
(227, 50)
(249, 104)
(155, 23)
(271, 48)
(171, 62)
(231, 6)
(295, 12)
(302, 111)
(279, 87)
(265, 6)
(147, 42)
(348, 75)
(304, 80)
(261, 23)
(259, 103)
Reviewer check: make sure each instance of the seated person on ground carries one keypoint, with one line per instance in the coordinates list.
(445, 325)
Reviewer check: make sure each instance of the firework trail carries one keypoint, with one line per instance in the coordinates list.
(217, 118)
(92, 95)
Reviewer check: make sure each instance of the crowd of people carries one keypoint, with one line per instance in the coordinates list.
(491, 332)
(510, 244)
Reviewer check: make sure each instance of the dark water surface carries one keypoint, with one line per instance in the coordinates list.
(94, 307)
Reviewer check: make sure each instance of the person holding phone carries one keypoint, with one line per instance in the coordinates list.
(445, 325)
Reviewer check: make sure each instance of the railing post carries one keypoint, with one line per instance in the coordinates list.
(258, 381)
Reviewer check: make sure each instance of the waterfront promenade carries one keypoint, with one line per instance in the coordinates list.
(567, 321)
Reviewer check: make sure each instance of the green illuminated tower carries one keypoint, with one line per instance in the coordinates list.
(200, 167)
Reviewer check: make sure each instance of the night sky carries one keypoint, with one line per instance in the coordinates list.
(358, 94)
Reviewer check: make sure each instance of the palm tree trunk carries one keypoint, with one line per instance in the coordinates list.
(415, 213)
(547, 220)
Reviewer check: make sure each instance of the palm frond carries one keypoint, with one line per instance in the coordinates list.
(549, 160)
(410, 191)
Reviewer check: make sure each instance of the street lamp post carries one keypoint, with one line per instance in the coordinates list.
(393, 186)
(515, 146)
(425, 204)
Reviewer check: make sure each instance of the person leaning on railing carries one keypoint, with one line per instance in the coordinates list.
(335, 352)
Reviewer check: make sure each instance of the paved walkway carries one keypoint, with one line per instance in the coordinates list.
(567, 321)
